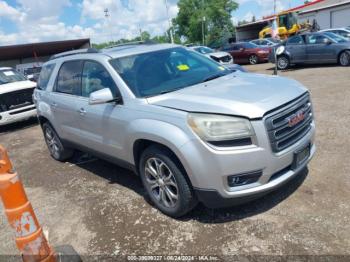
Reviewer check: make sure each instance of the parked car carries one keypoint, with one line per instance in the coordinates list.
(344, 32)
(223, 58)
(247, 53)
(16, 102)
(313, 48)
(266, 42)
(192, 129)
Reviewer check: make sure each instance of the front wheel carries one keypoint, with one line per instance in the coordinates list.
(283, 62)
(253, 59)
(54, 144)
(344, 58)
(165, 182)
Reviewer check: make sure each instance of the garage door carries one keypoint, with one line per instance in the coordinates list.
(340, 18)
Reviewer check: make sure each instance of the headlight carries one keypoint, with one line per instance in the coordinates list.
(210, 127)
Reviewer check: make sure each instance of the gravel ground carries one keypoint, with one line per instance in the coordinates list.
(100, 209)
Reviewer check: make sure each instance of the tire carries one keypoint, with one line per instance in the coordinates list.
(283, 62)
(165, 183)
(253, 59)
(344, 58)
(54, 144)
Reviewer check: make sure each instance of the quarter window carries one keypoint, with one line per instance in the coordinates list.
(69, 78)
(95, 77)
(45, 75)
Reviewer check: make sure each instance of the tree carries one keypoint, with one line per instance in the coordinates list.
(216, 14)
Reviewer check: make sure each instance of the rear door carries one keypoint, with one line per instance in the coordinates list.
(296, 47)
(63, 100)
(318, 51)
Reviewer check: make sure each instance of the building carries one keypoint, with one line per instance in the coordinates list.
(37, 53)
(327, 14)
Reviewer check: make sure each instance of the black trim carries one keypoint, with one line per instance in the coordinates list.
(111, 159)
(232, 143)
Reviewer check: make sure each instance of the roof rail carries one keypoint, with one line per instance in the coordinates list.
(75, 52)
(146, 42)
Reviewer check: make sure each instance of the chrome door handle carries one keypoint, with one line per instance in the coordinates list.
(82, 111)
(53, 104)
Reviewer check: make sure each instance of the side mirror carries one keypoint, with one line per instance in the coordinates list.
(328, 41)
(101, 97)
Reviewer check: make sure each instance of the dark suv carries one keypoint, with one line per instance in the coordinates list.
(247, 53)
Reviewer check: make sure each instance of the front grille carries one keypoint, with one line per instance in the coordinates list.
(225, 59)
(288, 125)
(16, 99)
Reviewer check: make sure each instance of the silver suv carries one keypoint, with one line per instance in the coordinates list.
(192, 129)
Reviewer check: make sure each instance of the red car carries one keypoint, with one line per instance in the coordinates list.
(248, 53)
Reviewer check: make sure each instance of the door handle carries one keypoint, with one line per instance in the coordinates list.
(82, 111)
(53, 104)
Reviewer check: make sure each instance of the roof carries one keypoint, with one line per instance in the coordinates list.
(265, 20)
(127, 50)
(5, 68)
(325, 4)
(40, 49)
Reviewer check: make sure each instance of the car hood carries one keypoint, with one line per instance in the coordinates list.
(14, 86)
(241, 94)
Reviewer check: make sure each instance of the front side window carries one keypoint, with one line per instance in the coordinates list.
(316, 39)
(69, 78)
(45, 75)
(95, 77)
(163, 71)
(10, 76)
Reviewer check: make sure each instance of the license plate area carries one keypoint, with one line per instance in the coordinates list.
(301, 156)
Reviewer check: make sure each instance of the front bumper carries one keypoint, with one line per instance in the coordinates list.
(208, 168)
(17, 115)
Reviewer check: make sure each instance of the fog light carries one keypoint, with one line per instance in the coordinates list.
(243, 179)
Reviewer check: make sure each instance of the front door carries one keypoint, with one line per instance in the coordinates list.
(297, 49)
(102, 126)
(318, 50)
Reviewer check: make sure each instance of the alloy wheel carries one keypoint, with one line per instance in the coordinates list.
(282, 63)
(161, 182)
(253, 60)
(345, 59)
(52, 142)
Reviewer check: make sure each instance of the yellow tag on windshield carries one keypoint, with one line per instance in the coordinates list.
(221, 68)
(183, 67)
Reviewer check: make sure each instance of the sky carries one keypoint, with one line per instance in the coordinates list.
(28, 21)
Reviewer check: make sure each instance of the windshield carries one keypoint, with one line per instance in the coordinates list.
(10, 75)
(335, 37)
(273, 40)
(204, 50)
(164, 71)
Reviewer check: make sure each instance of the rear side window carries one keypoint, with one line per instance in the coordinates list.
(69, 78)
(295, 40)
(45, 75)
(95, 77)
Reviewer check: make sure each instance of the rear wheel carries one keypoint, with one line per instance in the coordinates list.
(253, 59)
(344, 58)
(283, 62)
(165, 182)
(54, 144)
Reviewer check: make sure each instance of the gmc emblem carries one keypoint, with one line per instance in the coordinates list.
(296, 118)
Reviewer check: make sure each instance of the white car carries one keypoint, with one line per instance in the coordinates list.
(344, 32)
(223, 58)
(16, 97)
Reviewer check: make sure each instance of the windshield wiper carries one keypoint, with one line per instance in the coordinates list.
(212, 77)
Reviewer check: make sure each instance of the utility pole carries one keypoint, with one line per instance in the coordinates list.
(203, 23)
(106, 11)
(170, 24)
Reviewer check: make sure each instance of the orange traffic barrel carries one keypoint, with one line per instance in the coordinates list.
(30, 239)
